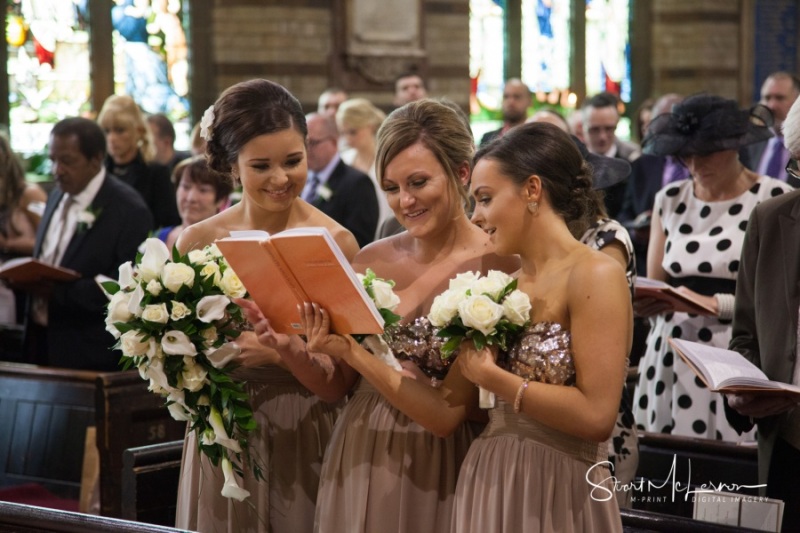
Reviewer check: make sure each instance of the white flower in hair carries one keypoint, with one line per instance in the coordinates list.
(206, 122)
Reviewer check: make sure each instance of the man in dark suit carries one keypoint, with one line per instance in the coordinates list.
(343, 193)
(600, 119)
(92, 223)
(516, 101)
(769, 157)
(765, 331)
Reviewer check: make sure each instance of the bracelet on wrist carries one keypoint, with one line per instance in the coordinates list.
(520, 394)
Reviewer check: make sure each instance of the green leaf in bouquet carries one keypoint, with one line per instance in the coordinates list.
(248, 425)
(389, 318)
(453, 330)
(176, 255)
(451, 346)
(479, 340)
(111, 287)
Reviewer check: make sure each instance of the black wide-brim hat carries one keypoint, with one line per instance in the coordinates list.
(606, 171)
(703, 124)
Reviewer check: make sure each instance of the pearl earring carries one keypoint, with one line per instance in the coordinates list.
(533, 207)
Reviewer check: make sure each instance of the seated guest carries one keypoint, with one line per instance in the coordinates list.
(765, 331)
(20, 213)
(330, 100)
(409, 87)
(516, 101)
(343, 193)
(551, 116)
(93, 222)
(164, 141)
(130, 158)
(200, 193)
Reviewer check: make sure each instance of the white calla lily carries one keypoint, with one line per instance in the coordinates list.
(231, 489)
(177, 343)
(211, 308)
(220, 357)
(220, 435)
(155, 255)
(126, 279)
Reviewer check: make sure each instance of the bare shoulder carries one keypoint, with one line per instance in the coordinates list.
(380, 253)
(204, 232)
(33, 193)
(594, 271)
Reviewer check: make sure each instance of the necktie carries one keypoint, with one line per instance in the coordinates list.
(775, 165)
(58, 231)
(311, 195)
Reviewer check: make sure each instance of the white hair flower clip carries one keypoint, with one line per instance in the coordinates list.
(206, 122)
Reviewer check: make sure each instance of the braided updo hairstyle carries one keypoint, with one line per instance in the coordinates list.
(247, 110)
(547, 151)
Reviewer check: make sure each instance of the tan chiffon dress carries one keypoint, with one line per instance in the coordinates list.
(382, 471)
(294, 427)
(521, 475)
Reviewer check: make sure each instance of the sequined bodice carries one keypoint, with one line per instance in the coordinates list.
(417, 341)
(543, 353)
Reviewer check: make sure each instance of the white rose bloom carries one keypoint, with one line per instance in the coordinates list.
(481, 313)
(385, 298)
(177, 343)
(211, 270)
(213, 251)
(490, 286)
(176, 275)
(153, 259)
(179, 310)
(154, 287)
(133, 343)
(135, 302)
(198, 257)
(111, 328)
(445, 307)
(193, 375)
(464, 281)
(211, 308)
(118, 307)
(231, 285)
(231, 489)
(210, 336)
(517, 307)
(126, 279)
(156, 313)
(223, 355)
(501, 277)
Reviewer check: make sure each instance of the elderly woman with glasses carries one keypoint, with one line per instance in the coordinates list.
(696, 240)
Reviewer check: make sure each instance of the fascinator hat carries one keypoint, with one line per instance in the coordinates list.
(606, 171)
(703, 124)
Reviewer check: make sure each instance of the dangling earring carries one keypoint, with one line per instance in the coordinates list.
(533, 207)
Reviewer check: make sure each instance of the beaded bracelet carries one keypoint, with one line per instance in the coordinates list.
(725, 305)
(520, 393)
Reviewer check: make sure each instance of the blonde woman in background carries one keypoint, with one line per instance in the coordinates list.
(358, 121)
(131, 154)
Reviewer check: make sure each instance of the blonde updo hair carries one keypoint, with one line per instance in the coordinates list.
(121, 111)
(438, 127)
(359, 113)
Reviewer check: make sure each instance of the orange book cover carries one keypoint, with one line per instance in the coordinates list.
(296, 266)
(30, 270)
(651, 288)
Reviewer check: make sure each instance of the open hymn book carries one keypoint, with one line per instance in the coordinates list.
(300, 265)
(727, 371)
(653, 288)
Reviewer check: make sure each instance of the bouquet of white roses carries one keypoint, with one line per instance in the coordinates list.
(380, 290)
(485, 309)
(174, 320)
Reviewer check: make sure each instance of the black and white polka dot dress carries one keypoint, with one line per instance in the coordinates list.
(702, 250)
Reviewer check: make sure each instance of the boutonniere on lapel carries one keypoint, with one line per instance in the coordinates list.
(86, 219)
(324, 192)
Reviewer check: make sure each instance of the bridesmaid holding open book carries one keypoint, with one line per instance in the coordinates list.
(393, 460)
(256, 134)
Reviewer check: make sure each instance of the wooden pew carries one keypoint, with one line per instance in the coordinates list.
(150, 477)
(128, 416)
(696, 461)
(47, 411)
(637, 521)
(18, 518)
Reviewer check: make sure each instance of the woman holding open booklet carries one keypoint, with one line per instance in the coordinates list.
(695, 243)
(256, 133)
(393, 460)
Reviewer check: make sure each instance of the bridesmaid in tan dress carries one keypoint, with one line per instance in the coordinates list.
(540, 464)
(397, 447)
(258, 136)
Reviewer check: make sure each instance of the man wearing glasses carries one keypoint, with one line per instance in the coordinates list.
(342, 192)
(765, 331)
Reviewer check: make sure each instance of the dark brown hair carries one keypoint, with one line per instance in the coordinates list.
(198, 171)
(245, 111)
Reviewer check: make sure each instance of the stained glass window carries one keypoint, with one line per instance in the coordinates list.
(546, 51)
(608, 48)
(486, 63)
(48, 68)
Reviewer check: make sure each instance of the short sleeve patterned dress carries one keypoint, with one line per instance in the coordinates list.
(383, 471)
(702, 251)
